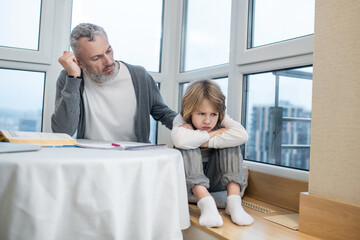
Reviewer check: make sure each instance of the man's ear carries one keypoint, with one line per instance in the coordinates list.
(80, 63)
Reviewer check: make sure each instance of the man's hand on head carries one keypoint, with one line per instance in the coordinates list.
(70, 64)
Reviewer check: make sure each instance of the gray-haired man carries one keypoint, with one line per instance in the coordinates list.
(103, 99)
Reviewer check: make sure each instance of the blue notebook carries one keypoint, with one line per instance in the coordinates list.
(6, 147)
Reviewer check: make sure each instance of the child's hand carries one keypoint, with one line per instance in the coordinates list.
(213, 134)
(187, 125)
(221, 130)
(216, 132)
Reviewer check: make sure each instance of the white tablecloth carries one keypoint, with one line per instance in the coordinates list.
(74, 193)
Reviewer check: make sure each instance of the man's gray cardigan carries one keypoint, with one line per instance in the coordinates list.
(68, 116)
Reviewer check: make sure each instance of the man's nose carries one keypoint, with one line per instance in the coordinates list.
(108, 60)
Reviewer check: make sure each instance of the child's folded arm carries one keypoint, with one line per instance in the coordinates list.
(184, 138)
(235, 135)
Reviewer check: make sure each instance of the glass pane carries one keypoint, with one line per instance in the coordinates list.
(25, 91)
(20, 23)
(153, 127)
(278, 117)
(207, 34)
(222, 82)
(278, 20)
(153, 131)
(182, 89)
(295, 158)
(134, 28)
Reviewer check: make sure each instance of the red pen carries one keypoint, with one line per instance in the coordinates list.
(116, 145)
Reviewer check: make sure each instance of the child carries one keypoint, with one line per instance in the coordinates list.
(209, 141)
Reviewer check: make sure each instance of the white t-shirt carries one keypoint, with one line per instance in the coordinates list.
(110, 108)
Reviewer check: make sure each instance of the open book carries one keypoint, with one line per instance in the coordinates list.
(39, 138)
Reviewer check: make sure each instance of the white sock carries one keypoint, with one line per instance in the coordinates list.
(209, 216)
(236, 211)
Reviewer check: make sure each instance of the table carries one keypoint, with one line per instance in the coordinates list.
(76, 193)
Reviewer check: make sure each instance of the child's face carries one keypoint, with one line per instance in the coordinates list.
(205, 117)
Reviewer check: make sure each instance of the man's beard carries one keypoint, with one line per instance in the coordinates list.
(100, 77)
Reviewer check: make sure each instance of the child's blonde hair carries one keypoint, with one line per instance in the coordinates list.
(196, 93)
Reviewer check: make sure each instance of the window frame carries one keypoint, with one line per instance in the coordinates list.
(273, 150)
(279, 50)
(183, 46)
(44, 54)
(291, 53)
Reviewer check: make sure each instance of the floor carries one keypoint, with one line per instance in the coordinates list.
(261, 229)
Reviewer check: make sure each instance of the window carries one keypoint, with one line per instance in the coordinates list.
(206, 38)
(25, 92)
(26, 47)
(153, 131)
(153, 127)
(26, 32)
(278, 117)
(20, 26)
(278, 20)
(134, 28)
